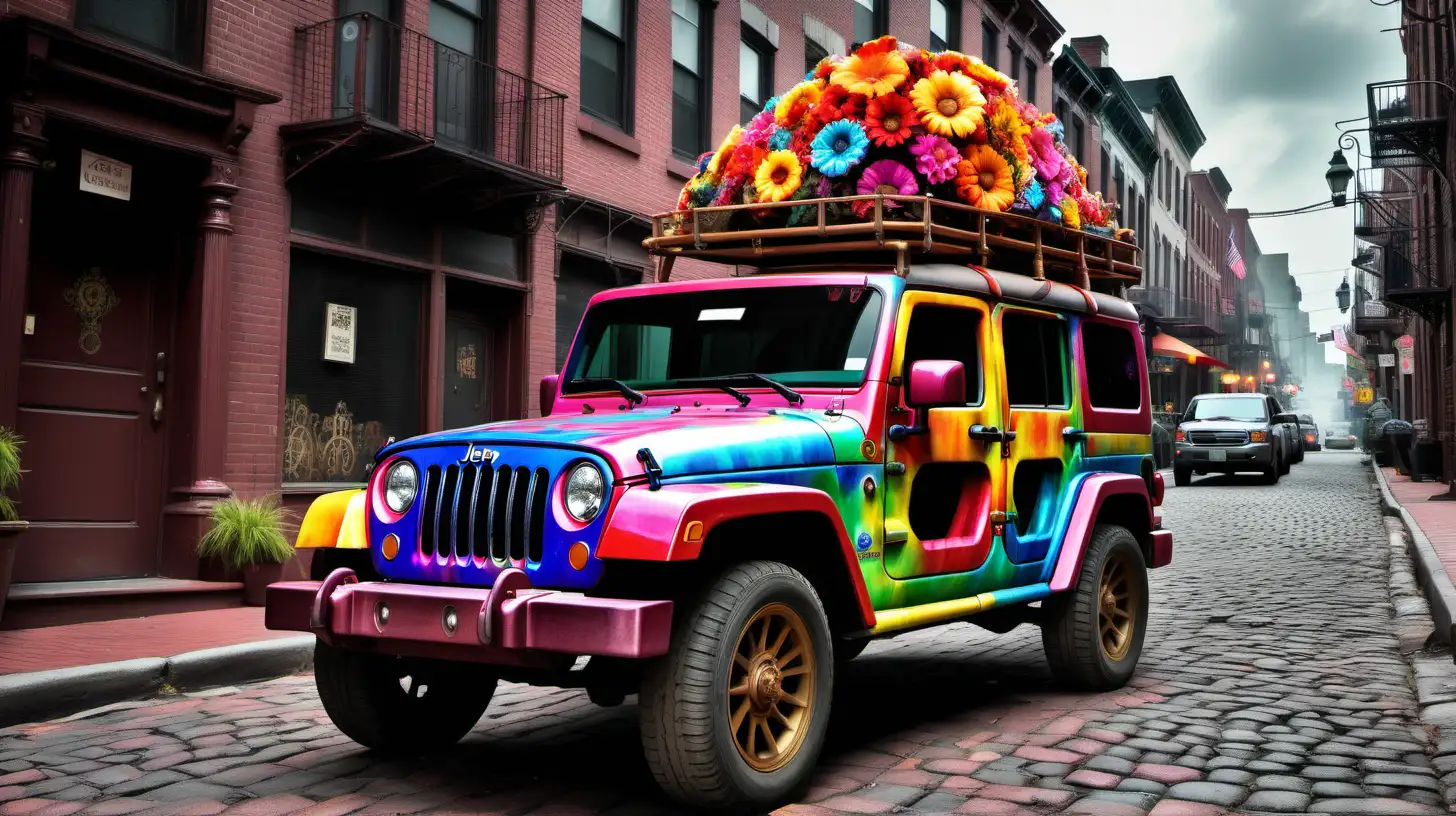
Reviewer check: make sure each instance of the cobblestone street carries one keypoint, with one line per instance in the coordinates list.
(1273, 681)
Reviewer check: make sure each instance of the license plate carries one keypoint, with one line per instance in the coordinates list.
(1217, 456)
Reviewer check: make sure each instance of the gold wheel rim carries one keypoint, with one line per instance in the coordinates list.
(771, 688)
(1117, 607)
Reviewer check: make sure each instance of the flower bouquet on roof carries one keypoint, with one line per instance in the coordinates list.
(896, 121)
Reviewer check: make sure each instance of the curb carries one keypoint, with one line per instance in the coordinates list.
(1440, 592)
(45, 695)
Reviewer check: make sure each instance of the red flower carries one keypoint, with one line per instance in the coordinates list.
(854, 106)
(919, 64)
(882, 45)
(828, 108)
(888, 120)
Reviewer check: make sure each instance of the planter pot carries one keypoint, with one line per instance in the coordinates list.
(256, 579)
(8, 531)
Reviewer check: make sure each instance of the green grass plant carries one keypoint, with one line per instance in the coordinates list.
(245, 532)
(10, 471)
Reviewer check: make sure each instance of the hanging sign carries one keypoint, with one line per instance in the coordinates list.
(1364, 396)
(1348, 383)
(1386, 360)
(103, 176)
(1407, 355)
(339, 325)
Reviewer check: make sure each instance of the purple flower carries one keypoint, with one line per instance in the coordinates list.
(935, 158)
(889, 177)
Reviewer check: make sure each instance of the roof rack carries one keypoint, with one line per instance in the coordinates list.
(906, 227)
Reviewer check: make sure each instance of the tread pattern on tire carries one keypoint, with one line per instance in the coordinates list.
(681, 752)
(1074, 659)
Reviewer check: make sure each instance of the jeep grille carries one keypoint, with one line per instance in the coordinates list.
(482, 512)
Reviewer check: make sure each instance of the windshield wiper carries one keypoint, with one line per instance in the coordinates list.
(758, 379)
(629, 393)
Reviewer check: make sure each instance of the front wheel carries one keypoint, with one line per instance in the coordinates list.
(398, 704)
(1182, 476)
(1271, 476)
(1093, 633)
(734, 715)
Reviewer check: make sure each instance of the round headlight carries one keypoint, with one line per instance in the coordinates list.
(585, 489)
(401, 484)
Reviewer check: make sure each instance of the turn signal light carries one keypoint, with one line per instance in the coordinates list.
(1258, 436)
(1178, 435)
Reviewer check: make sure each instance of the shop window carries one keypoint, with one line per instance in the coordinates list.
(1035, 348)
(337, 413)
(946, 333)
(607, 43)
(1113, 379)
(691, 53)
(871, 19)
(168, 28)
(579, 280)
(487, 253)
(945, 25)
(755, 73)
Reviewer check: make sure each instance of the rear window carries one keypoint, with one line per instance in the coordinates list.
(1113, 379)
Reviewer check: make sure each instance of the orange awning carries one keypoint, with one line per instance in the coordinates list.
(1166, 345)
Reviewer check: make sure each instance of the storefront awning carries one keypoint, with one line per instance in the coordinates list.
(1166, 345)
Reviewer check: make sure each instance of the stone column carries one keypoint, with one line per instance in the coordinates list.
(19, 159)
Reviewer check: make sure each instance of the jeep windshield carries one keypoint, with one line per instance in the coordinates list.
(795, 335)
(1227, 409)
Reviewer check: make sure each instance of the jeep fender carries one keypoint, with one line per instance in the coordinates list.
(1095, 491)
(335, 521)
(672, 522)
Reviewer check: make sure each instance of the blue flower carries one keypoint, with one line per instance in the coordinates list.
(838, 147)
(1034, 195)
(703, 161)
(1057, 130)
(780, 139)
(771, 104)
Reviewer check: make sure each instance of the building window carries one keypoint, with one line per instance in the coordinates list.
(1036, 375)
(691, 48)
(814, 53)
(870, 19)
(1166, 189)
(168, 28)
(606, 60)
(820, 41)
(755, 73)
(1106, 177)
(462, 90)
(1079, 141)
(1013, 52)
(990, 43)
(1113, 379)
(336, 413)
(945, 25)
(1031, 72)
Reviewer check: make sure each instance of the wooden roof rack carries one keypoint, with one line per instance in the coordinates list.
(904, 227)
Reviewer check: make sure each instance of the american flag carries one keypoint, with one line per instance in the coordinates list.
(1235, 260)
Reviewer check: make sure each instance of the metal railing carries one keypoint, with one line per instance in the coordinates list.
(1157, 297)
(362, 66)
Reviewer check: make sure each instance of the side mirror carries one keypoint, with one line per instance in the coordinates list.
(936, 382)
(1286, 419)
(547, 396)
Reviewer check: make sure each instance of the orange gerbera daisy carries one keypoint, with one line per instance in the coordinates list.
(794, 104)
(952, 61)
(983, 179)
(991, 80)
(719, 162)
(778, 177)
(888, 120)
(874, 70)
(948, 104)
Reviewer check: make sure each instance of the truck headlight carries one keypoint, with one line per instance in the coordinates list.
(585, 489)
(401, 484)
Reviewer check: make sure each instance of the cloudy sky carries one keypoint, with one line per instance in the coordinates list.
(1267, 80)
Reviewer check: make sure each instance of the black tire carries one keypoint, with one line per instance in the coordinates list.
(1072, 629)
(363, 695)
(1271, 476)
(687, 735)
(1182, 477)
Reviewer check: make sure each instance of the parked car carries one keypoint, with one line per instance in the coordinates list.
(735, 483)
(1341, 436)
(1294, 445)
(1309, 432)
(1233, 433)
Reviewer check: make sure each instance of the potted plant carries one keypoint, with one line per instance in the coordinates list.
(247, 534)
(10, 523)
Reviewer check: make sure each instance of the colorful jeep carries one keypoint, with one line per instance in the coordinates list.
(737, 483)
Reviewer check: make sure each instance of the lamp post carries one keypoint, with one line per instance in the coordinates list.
(1342, 295)
(1338, 177)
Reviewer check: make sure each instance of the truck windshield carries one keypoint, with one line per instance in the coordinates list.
(1236, 409)
(796, 335)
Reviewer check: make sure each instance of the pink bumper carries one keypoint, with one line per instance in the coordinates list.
(1162, 548)
(503, 623)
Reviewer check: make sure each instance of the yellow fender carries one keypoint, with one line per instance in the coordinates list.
(335, 521)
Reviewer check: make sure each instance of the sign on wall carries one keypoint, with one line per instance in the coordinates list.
(339, 328)
(1364, 396)
(105, 176)
(1405, 348)
(1385, 360)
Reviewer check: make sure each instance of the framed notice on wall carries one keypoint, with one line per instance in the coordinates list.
(339, 328)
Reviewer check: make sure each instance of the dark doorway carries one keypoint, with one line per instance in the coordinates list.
(469, 370)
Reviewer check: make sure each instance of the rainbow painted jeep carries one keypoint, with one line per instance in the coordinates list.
(738, 483)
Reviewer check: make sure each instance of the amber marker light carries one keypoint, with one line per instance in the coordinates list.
(1258, 436)
(577, 555)
(389, 546)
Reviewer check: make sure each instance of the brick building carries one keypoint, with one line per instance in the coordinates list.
(244, 243)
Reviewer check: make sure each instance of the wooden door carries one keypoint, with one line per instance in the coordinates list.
(90, 387)
(468, 372)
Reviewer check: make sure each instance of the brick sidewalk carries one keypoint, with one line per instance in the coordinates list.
(84, 644)
(1437, 519)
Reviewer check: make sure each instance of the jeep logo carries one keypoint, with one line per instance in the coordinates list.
(474, 454)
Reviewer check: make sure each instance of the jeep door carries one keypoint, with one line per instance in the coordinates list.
(1041, 458)
(938, 510)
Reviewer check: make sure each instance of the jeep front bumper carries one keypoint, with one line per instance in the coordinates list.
(1253, 456)
(507, 623)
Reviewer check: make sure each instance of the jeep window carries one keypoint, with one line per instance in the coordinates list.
(1113, 378)
(798, 335)
(946, 333)
(1036, 360)
(1229, 409)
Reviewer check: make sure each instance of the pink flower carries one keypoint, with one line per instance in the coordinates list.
(935, 158)
(1045, 157)
(889, 177)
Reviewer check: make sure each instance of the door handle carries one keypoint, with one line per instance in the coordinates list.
(1074, 435)
(161, 367)
(157, 407)
(981, 433)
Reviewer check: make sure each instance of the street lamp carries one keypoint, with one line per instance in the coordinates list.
(1338, 177)
(1342, 295)
(1270, 377)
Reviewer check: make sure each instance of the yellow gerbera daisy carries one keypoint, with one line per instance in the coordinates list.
(948, 104)
(724, 153)
(1008, 130)
(1071, 214)
(873, 74)
(794, 104)
(983, 179)
(778, 176)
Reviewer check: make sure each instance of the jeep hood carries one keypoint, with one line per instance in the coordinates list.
(683, 442)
